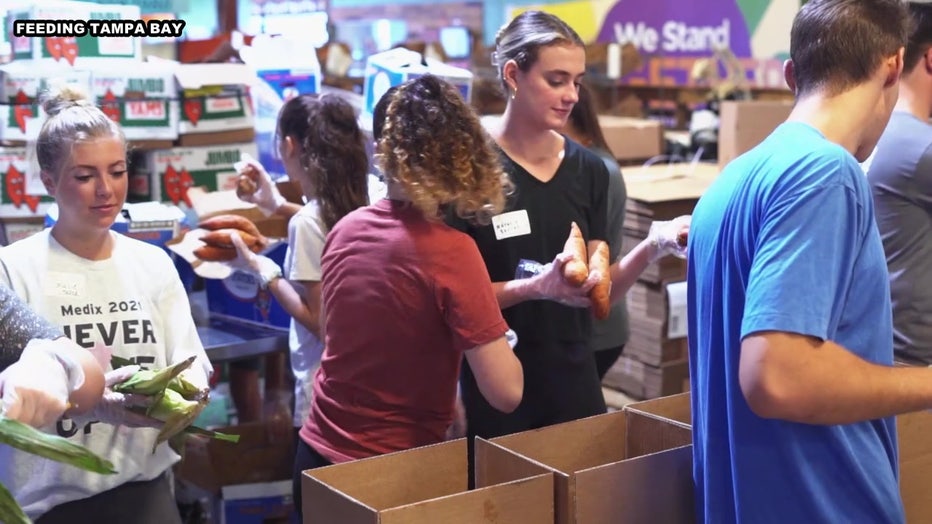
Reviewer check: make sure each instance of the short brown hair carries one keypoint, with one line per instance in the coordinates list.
(434, 147)
(838, 44)
(920, 37)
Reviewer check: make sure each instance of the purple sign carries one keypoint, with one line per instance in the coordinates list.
(678, 28)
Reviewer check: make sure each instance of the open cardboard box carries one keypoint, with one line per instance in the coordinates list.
(426, 485)
(913, 430)
(264, 453)
(596, 481)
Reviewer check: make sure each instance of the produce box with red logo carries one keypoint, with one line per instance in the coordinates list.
(215, 106)
(165, 175)
(21, 83)
(140, 96)
(15, 198)
(74, 51)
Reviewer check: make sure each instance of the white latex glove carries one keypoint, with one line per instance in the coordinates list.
(113, 407)
(266, 196)
(263, 267)
(36, 388)
(549, 284)
(663, 237)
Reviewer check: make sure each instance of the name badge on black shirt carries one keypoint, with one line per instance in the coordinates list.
(511, 224)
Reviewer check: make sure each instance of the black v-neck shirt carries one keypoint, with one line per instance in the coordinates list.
(576, 193)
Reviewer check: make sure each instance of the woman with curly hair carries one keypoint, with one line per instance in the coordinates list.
(405, 296)
(323, 151)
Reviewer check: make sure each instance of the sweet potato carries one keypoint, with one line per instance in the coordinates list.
(230, 222)
(599, 294)
(222, 238)
(576, 271)
(215, 254)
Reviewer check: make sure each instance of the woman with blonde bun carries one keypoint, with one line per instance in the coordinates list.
(104, 290)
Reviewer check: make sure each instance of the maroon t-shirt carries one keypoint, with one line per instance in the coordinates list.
(402, 298)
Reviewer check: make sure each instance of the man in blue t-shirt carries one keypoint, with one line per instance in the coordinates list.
(900, 175)
(791, 344)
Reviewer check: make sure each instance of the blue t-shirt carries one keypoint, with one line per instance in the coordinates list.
(785, 240)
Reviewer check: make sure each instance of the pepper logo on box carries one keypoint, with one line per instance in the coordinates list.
(60, 34)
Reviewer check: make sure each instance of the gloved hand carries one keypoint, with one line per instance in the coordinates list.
(669, 237)
(35, 389)
(113, 407)
(549, 284)
(266, 196)
(263, 267)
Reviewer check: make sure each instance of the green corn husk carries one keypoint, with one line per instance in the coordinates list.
(152, 382)
(175, 411)
(28, 439)
(187, 390)
(209, 433)
(119, 362)
(10, 510)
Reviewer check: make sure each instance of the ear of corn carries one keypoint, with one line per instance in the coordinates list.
(186, 389)
(28, 439)
(152, 382)
(10, 511)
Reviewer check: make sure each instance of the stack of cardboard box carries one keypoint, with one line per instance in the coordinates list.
(654, 362)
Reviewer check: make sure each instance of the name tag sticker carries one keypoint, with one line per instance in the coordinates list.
(511, 224)
(65, 284)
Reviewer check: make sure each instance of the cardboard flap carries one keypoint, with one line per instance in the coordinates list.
(332, 506)
(497, 465)
(658, 424)
(655, 488)
(527, 500)
(583, 443)
(400, 478)
(669, 182)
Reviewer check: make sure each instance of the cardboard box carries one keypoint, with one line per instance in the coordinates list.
(264, 453)
(166, 175)
(79, 51)
(632, 138)
(21, 83)
(151, 222)
(215, 105)
(15, 200)
(426, 485)
(745, 123)
(241, 297)
(396, 66)
(14, 229)
(667, 422)
(596, 480)
(261, 503)
(644, 381)
(140, 96)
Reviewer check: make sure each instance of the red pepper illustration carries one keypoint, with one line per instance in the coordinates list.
(22, 109)
(186, 183)
(32, 201)
(15, 185)
(110, 106)
(172, 182)
(192, 110)
(69, 49)
(53, 44)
